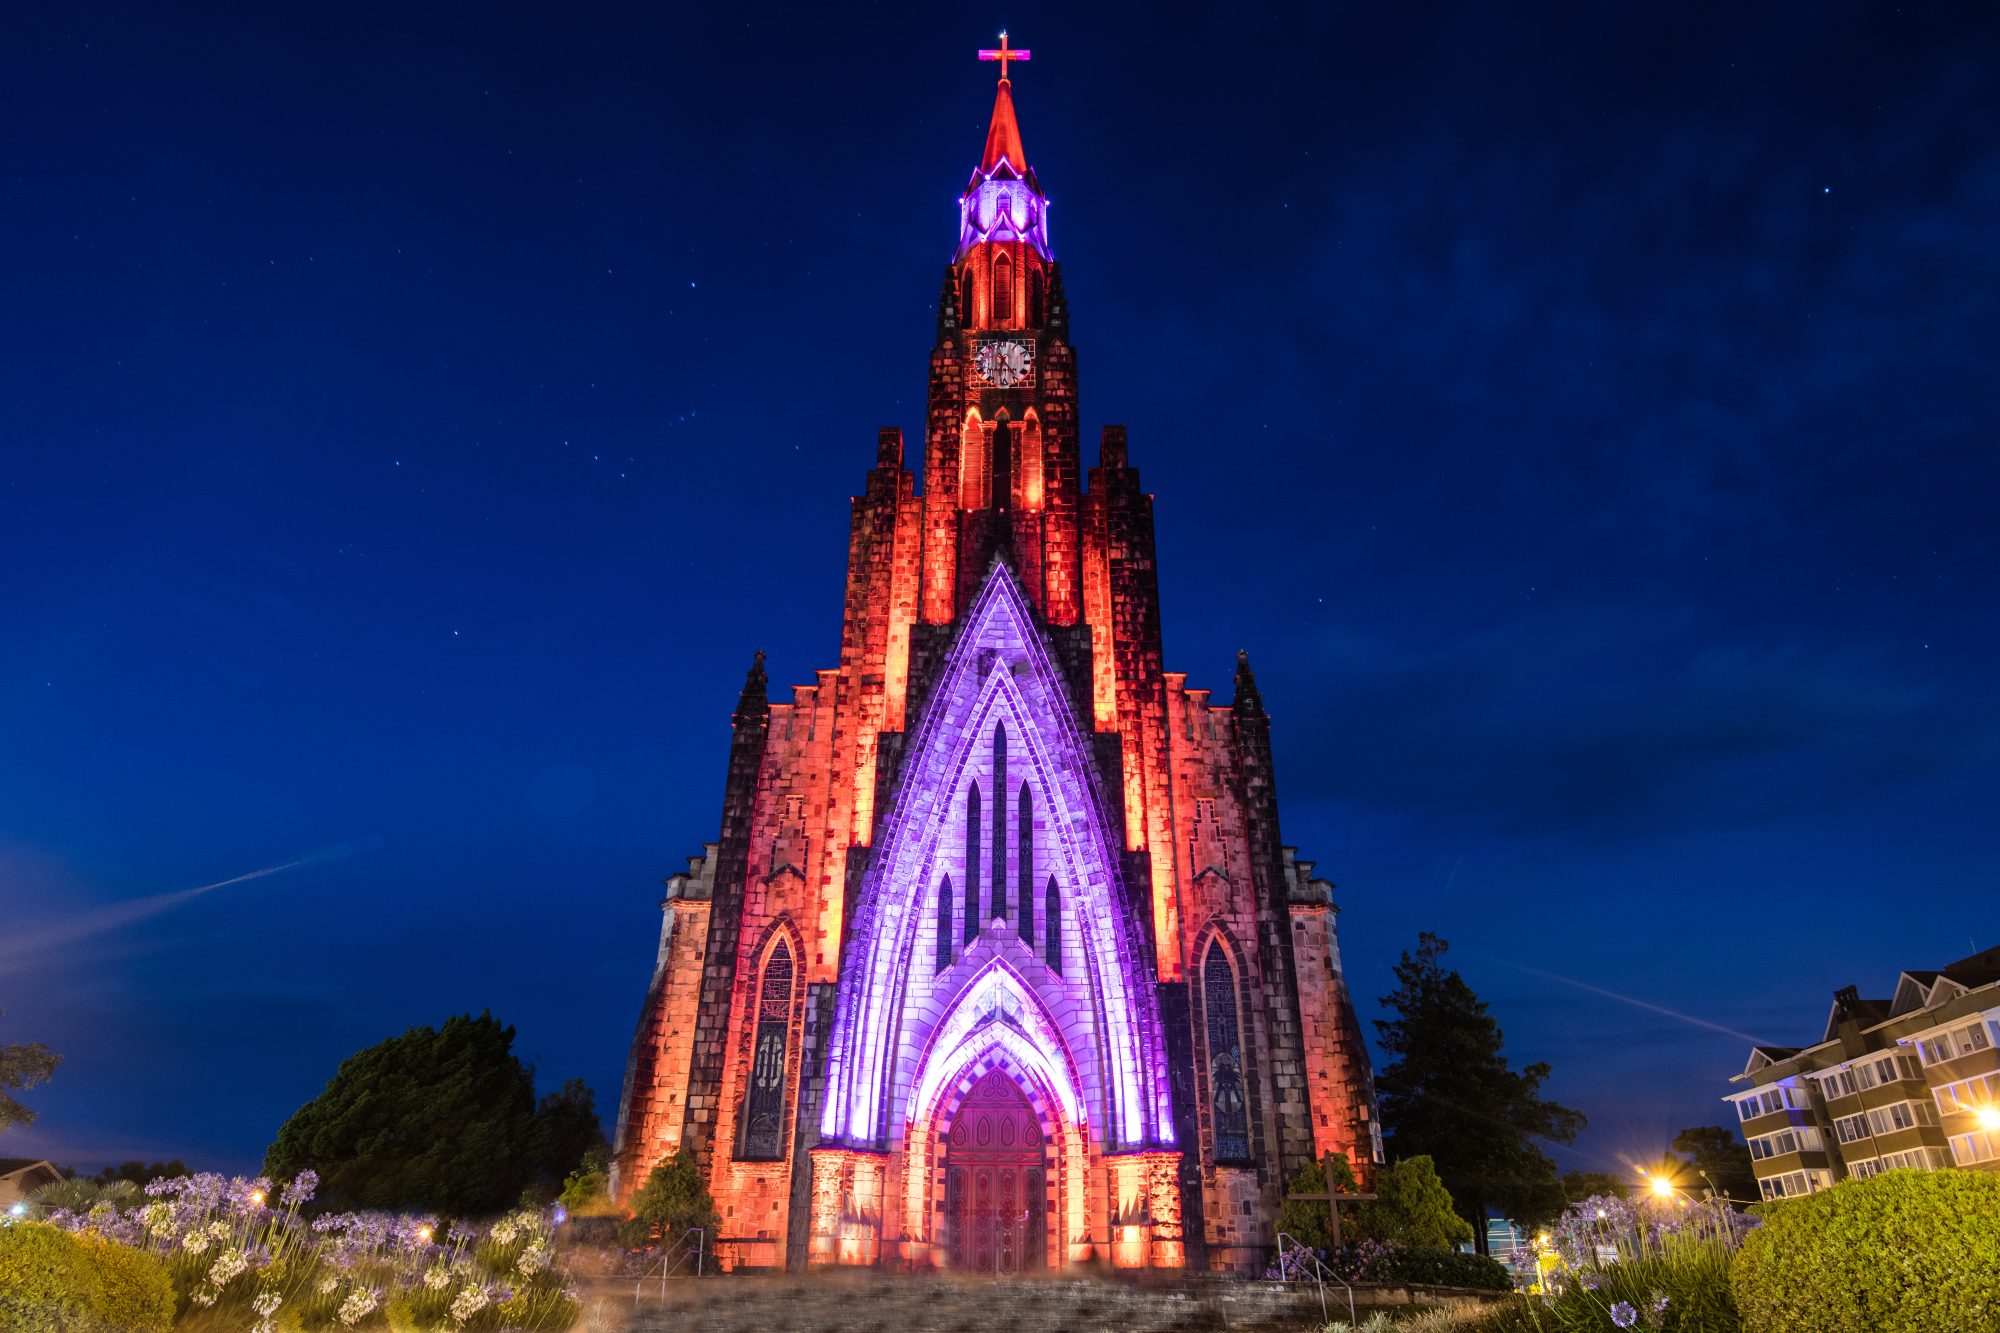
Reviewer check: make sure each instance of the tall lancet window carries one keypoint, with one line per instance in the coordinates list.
(1024, 855)
(1028, 468)
(972, 465)
(763, 1131)
(1003, 292)
(1225, 1057)
(966, 314)
(1052, 947)
(1036, 315)
(944, 925)
(999, 912)
(972, 849)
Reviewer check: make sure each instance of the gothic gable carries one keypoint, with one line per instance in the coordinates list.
(998, 689)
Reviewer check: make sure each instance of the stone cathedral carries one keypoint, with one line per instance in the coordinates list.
(998, 961)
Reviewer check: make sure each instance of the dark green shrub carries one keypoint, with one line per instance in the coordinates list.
(46, 1286)
(1449, 1268)
(1915, 1250)
(53, 1282)
(136, 1292)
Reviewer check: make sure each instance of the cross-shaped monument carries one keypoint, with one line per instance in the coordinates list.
(1004, 54)
(1330, 1198)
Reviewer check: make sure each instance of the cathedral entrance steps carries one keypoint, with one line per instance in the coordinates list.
(850, 1303)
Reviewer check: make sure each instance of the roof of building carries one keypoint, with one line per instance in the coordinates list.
(9, 1165)
(1003, 136)
(1917, 989)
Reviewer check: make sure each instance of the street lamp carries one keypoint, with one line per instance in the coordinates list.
(1987, 1118)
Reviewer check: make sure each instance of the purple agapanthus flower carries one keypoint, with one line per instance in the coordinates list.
(1660, 1302)
(1591, 1280)
(301, 1188)
(1624, 1315)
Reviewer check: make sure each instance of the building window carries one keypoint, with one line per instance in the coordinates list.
(763, 1135)
(1970, 1148)
(1052, 923)
(1227, 1106)
(944, 924)
(999, 912)
(972, 849)
(1037, 314)
(1025, 855)
(966, 293)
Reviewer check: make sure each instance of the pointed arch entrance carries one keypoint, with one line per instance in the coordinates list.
(997, 1165)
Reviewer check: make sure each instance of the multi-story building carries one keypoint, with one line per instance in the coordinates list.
(1912, 1081)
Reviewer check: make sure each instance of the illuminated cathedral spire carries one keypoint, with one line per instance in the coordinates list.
(1003, 201)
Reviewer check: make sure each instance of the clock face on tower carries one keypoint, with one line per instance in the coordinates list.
(1005, 363)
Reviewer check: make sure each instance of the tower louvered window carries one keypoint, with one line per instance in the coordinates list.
(1036, 314)
(1225, 1057)
(763, 1135)
(1003, 292)
(1052, 946)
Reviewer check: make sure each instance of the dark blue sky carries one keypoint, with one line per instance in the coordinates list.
(412, 419)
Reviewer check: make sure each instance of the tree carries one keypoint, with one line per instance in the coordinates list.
(1580, 1185)
(436, 1119)
(566, 1132)
(142, 1173)
(673, 1199)
(1413, 1209)
(1449, 1094)
(23, 1066)
(1306, 1220)
(1716, 1154)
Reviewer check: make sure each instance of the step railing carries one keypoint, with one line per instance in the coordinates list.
(692, 1245)
(1309, 1259)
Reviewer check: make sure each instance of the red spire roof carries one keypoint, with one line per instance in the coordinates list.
(1003, 137)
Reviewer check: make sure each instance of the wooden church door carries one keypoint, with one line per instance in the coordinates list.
(995, 1201)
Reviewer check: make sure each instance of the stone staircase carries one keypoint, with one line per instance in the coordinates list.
(864, 1303)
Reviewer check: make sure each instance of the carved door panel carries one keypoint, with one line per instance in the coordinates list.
(994, 1203)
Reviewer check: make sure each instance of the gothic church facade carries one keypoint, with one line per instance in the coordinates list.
(998, 961)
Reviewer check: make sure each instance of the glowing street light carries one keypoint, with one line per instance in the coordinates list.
(1987, 1118)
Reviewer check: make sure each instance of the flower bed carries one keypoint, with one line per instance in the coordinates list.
(240, 1258)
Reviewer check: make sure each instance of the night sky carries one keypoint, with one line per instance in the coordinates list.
(412, 418)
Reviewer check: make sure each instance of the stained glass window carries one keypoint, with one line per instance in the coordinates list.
(763, 1135)
(1225, 1058)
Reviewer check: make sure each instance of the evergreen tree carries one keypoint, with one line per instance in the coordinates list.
(674, 1199)
(1448, 1093)
(22, 1066)
(565, 1133)
(1306, 1220)
(1413, 1209)
(1717, 1158)
(437, 1119)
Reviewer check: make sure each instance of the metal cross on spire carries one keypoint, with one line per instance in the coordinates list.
(1004, 54)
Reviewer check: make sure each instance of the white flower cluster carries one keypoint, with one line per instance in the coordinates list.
(468, 1303)
(227, 1267)
(437, 1277)
(158, 1218)
(327, 1284)
(504, 1231)
(204, 1296)
(357, 1307)
(534, 1259)
(195, 1242)
(266, 1307)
